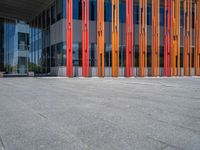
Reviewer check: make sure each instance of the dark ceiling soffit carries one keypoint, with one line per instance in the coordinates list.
(22, 9)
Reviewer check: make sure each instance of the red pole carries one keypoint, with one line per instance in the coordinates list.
(85, 38)
(69, 39)
(129, 38)
(167, 38)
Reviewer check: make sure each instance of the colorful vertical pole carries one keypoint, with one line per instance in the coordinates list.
(175, 37)
(143, 38)
(115, 38)
(155, 37)
(69, 38)
(129, 38)
(100, 37)
(187, 52)
(167, 37)
(197, 37)
(85, 38)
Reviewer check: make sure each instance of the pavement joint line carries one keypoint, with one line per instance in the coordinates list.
(113, 124)
(2, 144)
(65, 131)
(165, 122)
(166, 144)
(43, 116)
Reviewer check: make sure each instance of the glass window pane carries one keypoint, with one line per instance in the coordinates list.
(59, 9)
(53, 13)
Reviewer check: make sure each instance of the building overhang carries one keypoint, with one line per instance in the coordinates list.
(27, 9)
(22, 9)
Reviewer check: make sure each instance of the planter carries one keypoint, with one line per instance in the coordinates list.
(31, 74)
(1, 74)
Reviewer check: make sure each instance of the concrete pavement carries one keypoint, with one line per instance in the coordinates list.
(99, 114)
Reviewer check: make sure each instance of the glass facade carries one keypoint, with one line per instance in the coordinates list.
(45, 42)
(1, 45)
(14, 45)
(45, 54)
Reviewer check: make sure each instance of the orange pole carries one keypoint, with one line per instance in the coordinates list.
(129, 38)
(85, 38)
(197, 37)
(187, 55)
(100, 37)
(167, 38)
(155, 37)
(143, 38)
(175, 37)
(115, 38)
(69, 38)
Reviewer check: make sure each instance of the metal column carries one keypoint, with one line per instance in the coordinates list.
(143, 38)
(187, 52)
(69, 39)
(167, 38)
(115, 38)
(155, 37)
(129, 38)
(85, 38)
(175, 37)
(100, 37)
(197, 37)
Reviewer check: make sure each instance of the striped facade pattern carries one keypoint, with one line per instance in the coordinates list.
(171, 38)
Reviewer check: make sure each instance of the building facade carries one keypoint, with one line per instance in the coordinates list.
(14, 54)
(106, 38)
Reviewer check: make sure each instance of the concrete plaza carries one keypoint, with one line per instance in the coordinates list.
(100, 114)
